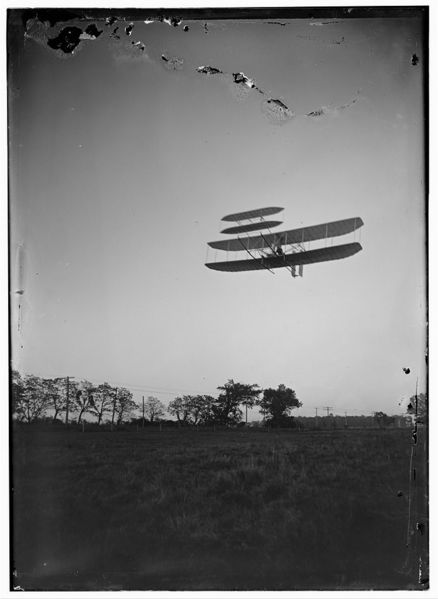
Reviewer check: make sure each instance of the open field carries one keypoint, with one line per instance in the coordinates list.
(191, 510)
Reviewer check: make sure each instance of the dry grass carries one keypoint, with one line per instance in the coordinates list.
(203, 510)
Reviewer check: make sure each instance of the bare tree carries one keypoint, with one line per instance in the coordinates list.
(103, 400)
(83, 398)
(124, 405)
(154, 408)
(55, 394)
(32, 402)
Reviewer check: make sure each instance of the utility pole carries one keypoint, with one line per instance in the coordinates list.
(68, 397)
(143, 411)
(328, 408)
(114, 409)
(316, 412)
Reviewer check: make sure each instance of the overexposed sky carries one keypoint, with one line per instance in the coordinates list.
(121, 169)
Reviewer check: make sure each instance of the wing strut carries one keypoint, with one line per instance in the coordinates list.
(253, 257)
(272, 248)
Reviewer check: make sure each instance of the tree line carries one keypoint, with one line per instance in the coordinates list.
(34, 398)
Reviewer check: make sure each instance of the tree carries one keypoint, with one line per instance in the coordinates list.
(226, 407)
(180, 407)
(104, 397)
(83, 400)
(124, 405)
(276, 405)
(17, 390)
(250, 395)
(55, 395)
(32, 402)
(383, 420)
(154, 408)
(192, 409)
(201, 409)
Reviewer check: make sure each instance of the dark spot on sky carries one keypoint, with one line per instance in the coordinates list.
(205, 28)
(172, 63)
(278, 103)
(114, 33)
(208, 70)
(175, 21)
(276, 23)
(186, 28)
(318, 112)
(241, 78)
(93, 30)
(406, 370)
(415, 60)
(400, 494)
(67, 40)
(128, 29)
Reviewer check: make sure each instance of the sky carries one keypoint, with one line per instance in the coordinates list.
(121, 169)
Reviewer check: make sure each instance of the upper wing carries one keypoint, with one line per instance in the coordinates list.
(325, 230)
(310, 257)
(257, 213)
(264, 224)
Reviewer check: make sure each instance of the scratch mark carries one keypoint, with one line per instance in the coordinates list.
(414, 60)
(276, 23)
(318, 40)
(321, 23)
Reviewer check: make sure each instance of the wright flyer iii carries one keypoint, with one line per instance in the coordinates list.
(291, 249)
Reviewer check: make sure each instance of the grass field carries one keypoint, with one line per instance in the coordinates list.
(189, 510)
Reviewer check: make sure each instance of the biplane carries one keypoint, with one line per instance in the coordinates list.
(281, 249)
